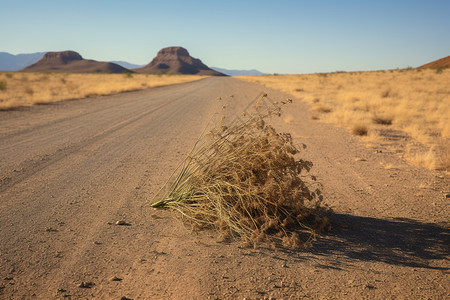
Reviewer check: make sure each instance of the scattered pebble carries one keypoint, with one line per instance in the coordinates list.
(121, 222)
(115, 278)
(61, 291)
(86, 285)
(125, 298)
(97, 243)
(370, 287)
(447, 195)
(360, 159)
(51, 229)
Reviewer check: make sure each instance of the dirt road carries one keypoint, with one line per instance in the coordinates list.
(69, 171)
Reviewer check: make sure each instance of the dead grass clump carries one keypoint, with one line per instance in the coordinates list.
(2, 85)
(323, 109)
(426, 159)
(128, 74)
(386, 94)
(382, 120)
(29, 91)
(243, 180)
(439, 70)
(360, 130)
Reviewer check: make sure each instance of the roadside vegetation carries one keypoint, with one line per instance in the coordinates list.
(243, 179)
(378, 105)
(26, 89)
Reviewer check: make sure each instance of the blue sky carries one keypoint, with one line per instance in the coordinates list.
(281, 36)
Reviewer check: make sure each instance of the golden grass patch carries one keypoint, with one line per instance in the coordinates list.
(416, 102)
(25, 89)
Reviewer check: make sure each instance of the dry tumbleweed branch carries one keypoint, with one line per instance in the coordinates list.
(242, 178)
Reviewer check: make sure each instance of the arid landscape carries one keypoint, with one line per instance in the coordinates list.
(225, 150)
(78, 177)
(409, 108)
(26, 89)
(66, 75)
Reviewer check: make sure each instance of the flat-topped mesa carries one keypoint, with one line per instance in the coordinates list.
(176, 60)
(63, 57)
(177, 51)
(72, 62)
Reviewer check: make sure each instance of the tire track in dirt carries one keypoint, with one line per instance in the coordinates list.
(31, 167)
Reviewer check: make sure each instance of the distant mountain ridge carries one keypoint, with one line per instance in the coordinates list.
(440, 63)
(176, 60)
(72, 62)
(252, 72)
(11, 62)
(126, 64)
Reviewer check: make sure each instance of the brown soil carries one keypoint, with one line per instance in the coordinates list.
(72, 62)
(176, 60)
(440, 63)
(70, 172)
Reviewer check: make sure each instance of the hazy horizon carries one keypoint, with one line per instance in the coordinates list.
(286, 37)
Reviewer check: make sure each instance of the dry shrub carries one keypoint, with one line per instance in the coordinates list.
(243, 180)
(382, 120)
(29, 91)
(360, 130)
(386, 94)
(421, 157)
(323, 109)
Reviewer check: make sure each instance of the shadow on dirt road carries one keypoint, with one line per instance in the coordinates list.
(402, 242)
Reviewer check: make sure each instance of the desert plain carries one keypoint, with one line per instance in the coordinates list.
(77, 178)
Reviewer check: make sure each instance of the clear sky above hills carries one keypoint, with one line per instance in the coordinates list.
(282, 36)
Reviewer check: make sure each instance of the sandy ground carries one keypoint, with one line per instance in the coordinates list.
(69, 171)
